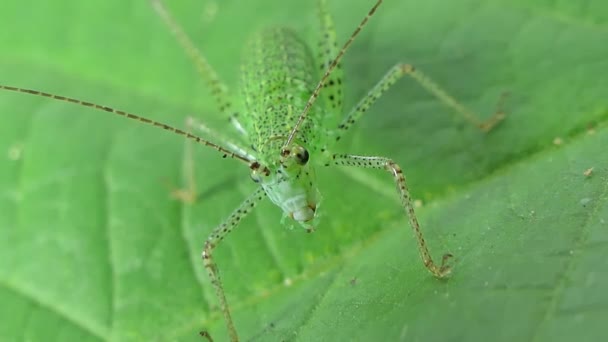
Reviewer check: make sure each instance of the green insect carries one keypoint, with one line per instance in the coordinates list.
(288, 103)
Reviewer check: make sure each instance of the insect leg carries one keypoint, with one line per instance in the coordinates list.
(218, 88)
(387, 164)
(197, 124)
(218, 234)
(315, 93)
(327, 52)
(205, 335)
(189, 194)
(395, 74)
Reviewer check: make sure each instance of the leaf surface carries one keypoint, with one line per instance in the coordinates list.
(93, 248)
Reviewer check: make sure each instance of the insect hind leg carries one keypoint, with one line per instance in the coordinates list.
(327, 52)
(218, 89)
(399, 71)
(436, 90)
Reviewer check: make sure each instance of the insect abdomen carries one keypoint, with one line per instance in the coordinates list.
(278, 78)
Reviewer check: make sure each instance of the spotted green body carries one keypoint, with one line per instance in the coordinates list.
(278, 77)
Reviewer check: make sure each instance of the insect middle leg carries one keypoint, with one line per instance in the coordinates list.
(390, 166)
(218, 234)
(396, 73)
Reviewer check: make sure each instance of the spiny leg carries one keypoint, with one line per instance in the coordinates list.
(218, 234)
(205, 335)
(387, 164)
(218, 89)
(327, 74)
(395, 74)
(327, 51)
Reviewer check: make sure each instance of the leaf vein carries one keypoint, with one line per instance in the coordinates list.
(579, 243)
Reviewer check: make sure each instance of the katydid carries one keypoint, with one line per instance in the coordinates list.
(287, 98)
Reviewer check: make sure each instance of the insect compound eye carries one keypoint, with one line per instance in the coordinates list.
(302, 156)
(256, 175)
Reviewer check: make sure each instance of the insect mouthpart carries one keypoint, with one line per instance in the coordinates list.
(304, 214)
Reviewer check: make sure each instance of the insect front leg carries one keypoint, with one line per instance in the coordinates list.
(189, 194)
(396, 73)
(218, 234)
(387, 164)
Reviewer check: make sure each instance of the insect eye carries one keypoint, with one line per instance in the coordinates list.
(302, 156)
(256, 175)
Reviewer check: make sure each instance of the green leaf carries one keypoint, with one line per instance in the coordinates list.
(92, 247)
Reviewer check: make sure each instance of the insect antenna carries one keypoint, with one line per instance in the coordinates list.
(332, 66)
(226, 152)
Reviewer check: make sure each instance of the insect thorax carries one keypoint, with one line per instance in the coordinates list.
(278, 77)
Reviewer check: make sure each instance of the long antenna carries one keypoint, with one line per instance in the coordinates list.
(226, 152)
(332, 66)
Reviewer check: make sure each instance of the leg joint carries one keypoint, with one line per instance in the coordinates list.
(407, 68)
